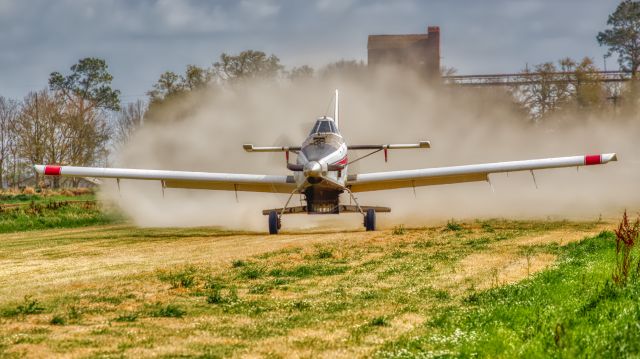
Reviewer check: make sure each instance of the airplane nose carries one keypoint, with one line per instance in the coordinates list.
(312, 169)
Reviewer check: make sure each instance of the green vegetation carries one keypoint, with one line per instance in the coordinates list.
(65, 209)
(573, 310)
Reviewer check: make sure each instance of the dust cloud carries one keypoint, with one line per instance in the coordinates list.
(204, 131)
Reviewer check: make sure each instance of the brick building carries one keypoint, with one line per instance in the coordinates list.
(417, 51)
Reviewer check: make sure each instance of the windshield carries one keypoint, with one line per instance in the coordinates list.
(324, 126)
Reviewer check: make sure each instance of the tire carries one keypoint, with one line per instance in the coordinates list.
(370, 220)
(273, 222)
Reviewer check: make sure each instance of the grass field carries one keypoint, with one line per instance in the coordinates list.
(484, 288)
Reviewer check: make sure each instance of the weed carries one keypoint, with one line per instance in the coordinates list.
(57, 320)
(380, 321)
(399, 230)
(453, 226)
(300, 305)
(29, 306)
(441, 294)
(168, 311)
(183, 278)
(126, 318)
(626, 237)
(324, 253)
(238, 263)
(252, 272)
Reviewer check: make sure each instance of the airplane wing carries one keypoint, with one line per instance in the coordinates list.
(469, 173)
(181, 179)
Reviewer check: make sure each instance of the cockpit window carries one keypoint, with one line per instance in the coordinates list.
(324, 127)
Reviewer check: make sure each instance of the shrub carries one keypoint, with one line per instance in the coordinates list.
(626, 238)
(399, 230)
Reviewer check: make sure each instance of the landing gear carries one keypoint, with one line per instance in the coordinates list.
(274, 222)
(370, 220)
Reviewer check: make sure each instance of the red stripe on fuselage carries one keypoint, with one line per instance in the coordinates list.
(52, 170)
(592, 160)
(342, 162)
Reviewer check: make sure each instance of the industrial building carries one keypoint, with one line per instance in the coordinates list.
(420, 52)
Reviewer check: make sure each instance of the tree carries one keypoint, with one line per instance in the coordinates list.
(129, 119)
(38, 130)
(88, 86)
(8, 116)
(196, 78)
(87, 96)
(249, 64)
(544, 93)
(344, 69)
(303, 72)
(589, 90)
(623, 36)
(168, 85)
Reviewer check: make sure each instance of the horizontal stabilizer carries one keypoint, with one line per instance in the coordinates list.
(341, 209)
(396, 146)
(250, 148)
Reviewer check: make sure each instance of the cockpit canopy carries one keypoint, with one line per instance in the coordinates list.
(324, 125)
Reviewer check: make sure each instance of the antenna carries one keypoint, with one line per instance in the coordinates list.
(335, 113)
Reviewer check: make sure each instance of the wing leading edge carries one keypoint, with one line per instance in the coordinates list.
(181, 179)
(468, 173)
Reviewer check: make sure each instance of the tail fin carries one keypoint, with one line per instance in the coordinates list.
(336, 112)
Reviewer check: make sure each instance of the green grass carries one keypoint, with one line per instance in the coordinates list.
(572, 310)
(38, 212)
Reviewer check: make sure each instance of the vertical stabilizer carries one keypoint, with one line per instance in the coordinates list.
(336, 111)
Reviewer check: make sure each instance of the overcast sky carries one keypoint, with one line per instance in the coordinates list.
(141, 39)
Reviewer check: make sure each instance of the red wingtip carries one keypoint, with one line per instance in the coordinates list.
(52, 170)
(592, 160)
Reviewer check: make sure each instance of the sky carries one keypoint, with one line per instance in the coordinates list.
(143, 38)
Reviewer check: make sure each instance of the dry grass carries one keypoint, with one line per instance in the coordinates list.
(330, 294)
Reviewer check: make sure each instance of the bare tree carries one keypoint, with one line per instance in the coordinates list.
(129, 119)
(544, 92)
(8, 116)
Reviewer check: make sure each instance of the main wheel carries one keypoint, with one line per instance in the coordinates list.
(370, 220)
(274, 222)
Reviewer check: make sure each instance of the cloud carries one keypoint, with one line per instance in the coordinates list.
(141, 39)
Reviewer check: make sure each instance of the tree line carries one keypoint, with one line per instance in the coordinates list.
(78, 119)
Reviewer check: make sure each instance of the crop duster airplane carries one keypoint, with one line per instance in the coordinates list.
(321, 174)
